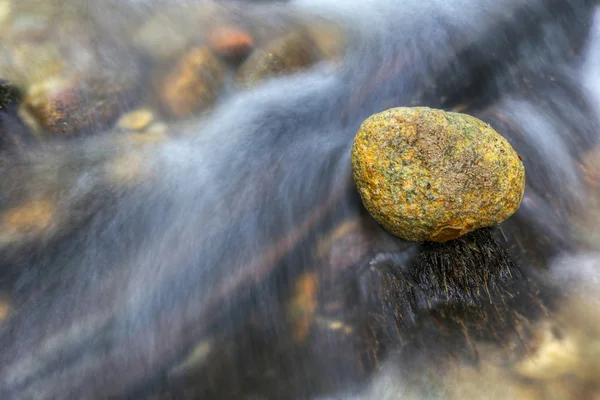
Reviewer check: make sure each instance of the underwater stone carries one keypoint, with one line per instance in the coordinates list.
(284, 56)
(426, 174)
(230, 43)
(136, 120)
(193, 84)
(70, 107)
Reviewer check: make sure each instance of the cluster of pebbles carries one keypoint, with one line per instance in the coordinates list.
(80, 72)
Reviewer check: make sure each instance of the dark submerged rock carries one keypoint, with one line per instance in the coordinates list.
(13, 132)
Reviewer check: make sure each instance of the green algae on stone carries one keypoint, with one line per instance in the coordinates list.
(426, 174)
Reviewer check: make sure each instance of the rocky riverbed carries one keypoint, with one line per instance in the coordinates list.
(78, 73)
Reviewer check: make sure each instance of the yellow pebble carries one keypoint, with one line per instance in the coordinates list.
(31, 218)
(426, 174)
(137, 120)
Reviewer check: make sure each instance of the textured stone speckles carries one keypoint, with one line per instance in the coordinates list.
(70, 108)
(426, 174)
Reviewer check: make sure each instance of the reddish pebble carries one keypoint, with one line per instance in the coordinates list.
(230, 43)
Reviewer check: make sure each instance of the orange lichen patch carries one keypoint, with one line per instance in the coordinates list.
(137, 120)
(303, 304)
(426, 174)
(230, 42)
(127, 169)
(193, 84)
(29, 219)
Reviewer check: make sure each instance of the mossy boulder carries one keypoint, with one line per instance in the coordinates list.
(430, 175)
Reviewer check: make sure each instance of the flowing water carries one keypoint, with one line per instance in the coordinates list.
(122, 264)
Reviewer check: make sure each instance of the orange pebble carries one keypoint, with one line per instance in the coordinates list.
(230, 42)
(304, 304)
(30, 219)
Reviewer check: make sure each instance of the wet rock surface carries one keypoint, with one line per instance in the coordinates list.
(291, 53)
(426, 174)
(193, 84)
(74, 80)
(79, 72)
(231, 43)
(69, 108)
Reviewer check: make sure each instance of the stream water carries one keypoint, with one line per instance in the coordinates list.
(139, 256)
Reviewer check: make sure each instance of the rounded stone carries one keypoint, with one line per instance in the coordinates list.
(230, 43)
(70, 107)
(430, 175)
(283, 56)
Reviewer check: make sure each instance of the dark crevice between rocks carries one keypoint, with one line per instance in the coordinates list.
(14, 134)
